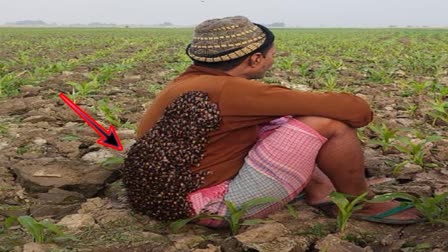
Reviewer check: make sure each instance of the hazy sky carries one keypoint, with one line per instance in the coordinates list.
(190, 12)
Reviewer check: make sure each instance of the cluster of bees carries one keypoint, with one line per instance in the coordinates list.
(157, 171)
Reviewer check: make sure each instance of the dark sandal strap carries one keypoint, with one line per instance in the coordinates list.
(392, 211)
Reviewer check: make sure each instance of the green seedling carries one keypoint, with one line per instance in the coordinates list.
(155, 88)
(41, 231)
(416, 88)
(319, 230)
(9, 84)
(412, 109)
(110, 161)
(178, 67)
(292, 211)
(3, 129)
(439, 110)
(330, 83)
(439, 90)
(129, 125)
(110, 112)
(323, 70)
(235, 217)
(379, 76)
(22, 149)
(415, 148)
(69, 137)
(84, 89)
(435, 208)
(285, 64)
(336, 64)
(385, 136)
(304, 69)
(346, 207)
(61, 66)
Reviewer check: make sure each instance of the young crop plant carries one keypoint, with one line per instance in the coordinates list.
(84, 89)
(385, 136)
(41, 231)
(304, 69)
(234, 220)
(346, 204)
(3, 128)
(9, 84)
(416, 88)
(439, 111)
(412, 109)
(380, 75)
(112, 161)
(434, 209)
(285, 63)
(292, 211)
(330, 83)
(110, 112)
(61, 66)
(108, 71)
(439, 90)
(103, 75)
(415, 149)
(336, 64)
(154, 89)
(324, 70)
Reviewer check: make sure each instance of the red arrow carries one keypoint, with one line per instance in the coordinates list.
(109, 138)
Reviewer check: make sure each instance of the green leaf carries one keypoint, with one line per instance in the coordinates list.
(177, 225)
(392, 196)
(33, 227)
(398, 167)
(52, 227)
(10, 221)
(292, 211)
(69, 137)
(423, 246)
(235, 217)
(339, 199)
(231, 206)
(358, 199)
(433, 138)
(112, 161)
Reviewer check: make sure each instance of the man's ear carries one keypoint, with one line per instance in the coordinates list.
(255, 59)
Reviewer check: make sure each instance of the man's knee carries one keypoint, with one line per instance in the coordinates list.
(325, 126)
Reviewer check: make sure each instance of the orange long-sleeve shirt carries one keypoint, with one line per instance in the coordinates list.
(244, 105)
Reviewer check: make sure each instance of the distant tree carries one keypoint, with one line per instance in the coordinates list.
(277, 24)
(29, 22)
(166, 24)
(101, 24)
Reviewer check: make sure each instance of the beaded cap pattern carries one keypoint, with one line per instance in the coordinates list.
(157, 171)
(224, 39)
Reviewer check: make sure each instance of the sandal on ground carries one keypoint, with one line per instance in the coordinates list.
(381, 217)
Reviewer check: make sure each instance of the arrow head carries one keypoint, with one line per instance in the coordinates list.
(111, 140)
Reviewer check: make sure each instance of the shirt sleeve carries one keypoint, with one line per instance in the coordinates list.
(252, 98)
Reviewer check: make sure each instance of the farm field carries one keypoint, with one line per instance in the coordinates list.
(52, 168)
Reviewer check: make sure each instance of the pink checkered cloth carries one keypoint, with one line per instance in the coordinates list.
(279, 165)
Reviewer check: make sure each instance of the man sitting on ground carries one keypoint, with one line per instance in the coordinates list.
(271, 141)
